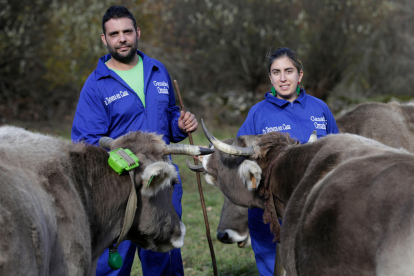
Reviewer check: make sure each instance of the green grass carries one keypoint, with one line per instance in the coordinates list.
(230, 259)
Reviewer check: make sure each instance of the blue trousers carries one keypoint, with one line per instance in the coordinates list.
(263, 247)
(153, 263)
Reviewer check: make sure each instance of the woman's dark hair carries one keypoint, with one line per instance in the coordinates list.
(284, 52)
(117, 12)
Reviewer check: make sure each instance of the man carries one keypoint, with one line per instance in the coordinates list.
(129, 91)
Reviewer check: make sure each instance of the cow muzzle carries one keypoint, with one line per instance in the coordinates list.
(176, 242)
(179, 242)
(231, 236)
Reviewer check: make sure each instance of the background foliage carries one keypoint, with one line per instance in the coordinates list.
(351, 49)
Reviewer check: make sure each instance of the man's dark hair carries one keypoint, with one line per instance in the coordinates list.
(117, 12)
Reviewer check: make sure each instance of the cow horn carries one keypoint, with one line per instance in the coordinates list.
(105, 142)
(313, 137)
(195, 168)
(224, 147)
(187, 150)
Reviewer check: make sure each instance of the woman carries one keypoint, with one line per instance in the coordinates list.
(286, 108)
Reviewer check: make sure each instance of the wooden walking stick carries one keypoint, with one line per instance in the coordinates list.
(200, 190)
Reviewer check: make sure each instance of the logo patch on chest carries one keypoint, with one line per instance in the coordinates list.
(115, 97)
(319, 122)
(162, 86)
(276, 128)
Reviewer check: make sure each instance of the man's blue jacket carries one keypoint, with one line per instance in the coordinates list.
(109, 107)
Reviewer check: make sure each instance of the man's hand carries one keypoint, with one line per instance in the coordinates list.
(187, 122)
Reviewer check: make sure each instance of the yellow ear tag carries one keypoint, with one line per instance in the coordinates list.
(253, 179)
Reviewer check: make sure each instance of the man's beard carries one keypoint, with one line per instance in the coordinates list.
(125, 57)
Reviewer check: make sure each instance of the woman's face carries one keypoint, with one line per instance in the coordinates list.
(284, 77)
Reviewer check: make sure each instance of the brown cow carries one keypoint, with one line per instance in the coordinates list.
(357, 219)
(292, 170)
(377, 121)
(61, 204)
(392, 124)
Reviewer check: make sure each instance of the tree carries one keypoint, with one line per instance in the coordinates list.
(21, 28)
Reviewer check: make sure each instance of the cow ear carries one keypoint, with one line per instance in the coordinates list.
(156, 177)
(250, 173)
(313, 137)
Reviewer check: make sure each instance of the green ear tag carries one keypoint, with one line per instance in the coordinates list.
(122, 160)
(115, 260)
(149, 182)
(298, 89)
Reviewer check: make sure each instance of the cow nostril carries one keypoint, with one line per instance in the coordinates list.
(222, 236)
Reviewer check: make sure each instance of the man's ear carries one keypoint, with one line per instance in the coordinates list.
(251, 174)
(104, 39)
(138, 33)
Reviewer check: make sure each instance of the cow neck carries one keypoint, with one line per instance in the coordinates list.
(268, 174)
(129, 212)
(105, 198)
(270, 214)
(115, 260)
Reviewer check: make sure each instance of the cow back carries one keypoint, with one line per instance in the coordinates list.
(391, 124)
(359, 222)
(331, 151)
(44, 219)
